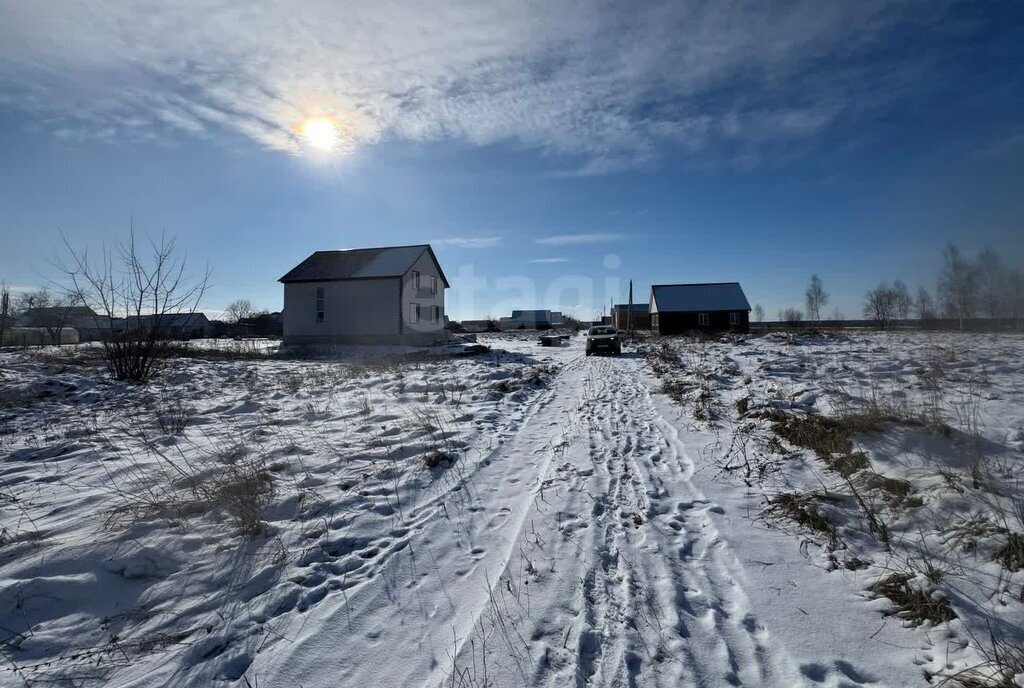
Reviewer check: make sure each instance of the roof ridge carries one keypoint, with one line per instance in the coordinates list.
(371, 248)
(693, 284)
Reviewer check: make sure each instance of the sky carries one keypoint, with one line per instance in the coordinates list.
(550, 151)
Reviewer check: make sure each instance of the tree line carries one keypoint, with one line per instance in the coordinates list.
(970, 293)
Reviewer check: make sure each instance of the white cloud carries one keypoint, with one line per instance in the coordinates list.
(610, 84)
(549, 260)
(578, 239)
(469, 242)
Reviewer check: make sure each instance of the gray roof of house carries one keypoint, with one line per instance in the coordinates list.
(169, 320)
(539, 315)
(62, 311)
(360, 263)
(718, 296)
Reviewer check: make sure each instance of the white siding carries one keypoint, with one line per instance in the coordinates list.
(353, 309)
(425, 329)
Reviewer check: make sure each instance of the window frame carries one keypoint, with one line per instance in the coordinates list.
(320, 297)
(416, 280)
(435, 314)
(734, 318)
(433, 284)
(703, 319)
(414, 313)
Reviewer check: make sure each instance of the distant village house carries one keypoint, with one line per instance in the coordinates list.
(710, 307)
(532, 320)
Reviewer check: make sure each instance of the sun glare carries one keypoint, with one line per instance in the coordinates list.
(321, 134)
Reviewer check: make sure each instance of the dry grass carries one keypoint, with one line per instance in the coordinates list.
(802, 510)
(1011, 554)
(242, 487)
(505, 386)
(824, 436)
(913, 605)
(895, 491)
(173, 417)
(438, 458)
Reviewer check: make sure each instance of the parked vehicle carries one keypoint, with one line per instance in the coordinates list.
(603, 339)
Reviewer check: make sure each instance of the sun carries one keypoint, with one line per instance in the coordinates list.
(321, 134)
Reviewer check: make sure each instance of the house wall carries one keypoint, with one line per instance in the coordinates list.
(355, 311)
(641, 321)
(677, 322)
(425, 331)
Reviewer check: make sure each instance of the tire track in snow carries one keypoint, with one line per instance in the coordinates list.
(658, 598)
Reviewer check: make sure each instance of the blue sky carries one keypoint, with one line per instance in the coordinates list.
(550, 151)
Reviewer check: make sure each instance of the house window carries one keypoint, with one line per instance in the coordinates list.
(319, 304)
(703, 319)
(414, 312)
(433, 284)
(416, 279)
(734, 318)
(435, 314)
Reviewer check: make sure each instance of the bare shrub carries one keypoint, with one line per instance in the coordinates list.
(913, 604)
(139, 296)
(173, 417)
(880, 305)
(793, 317)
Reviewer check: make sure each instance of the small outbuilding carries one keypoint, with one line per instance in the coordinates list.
(637, 316)
(384, 295)
(172, 325)
(532, 320)
(708, 307)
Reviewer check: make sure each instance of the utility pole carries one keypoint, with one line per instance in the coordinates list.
(629, 313)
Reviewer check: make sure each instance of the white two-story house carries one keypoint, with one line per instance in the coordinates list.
(388, 295)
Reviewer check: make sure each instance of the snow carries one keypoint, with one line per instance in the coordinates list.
(526, 516)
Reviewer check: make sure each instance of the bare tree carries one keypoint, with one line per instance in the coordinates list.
(958, 285)
(238, 310)
(880, 305)
(1015, 297)
(758, 313)
(139, 291)
(793, 317)
(816, 298)
(925, 306)
(47, 311)
(903, 300)
(5, 309)
(991, 276)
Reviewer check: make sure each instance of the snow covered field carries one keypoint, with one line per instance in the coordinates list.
(678, 516)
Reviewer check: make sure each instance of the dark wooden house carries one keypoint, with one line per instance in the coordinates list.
(711, 307)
